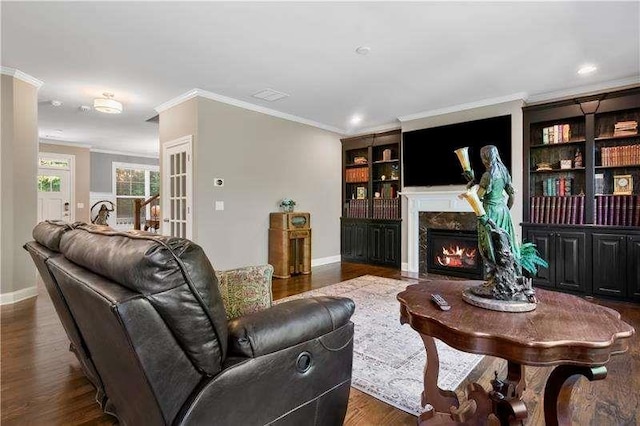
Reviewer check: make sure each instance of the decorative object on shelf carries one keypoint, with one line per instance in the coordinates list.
(565, 164)
(506, 289)
(577, 160)
(623, 185)
(361, 192)
(599, 183)
(360, 160)
(376, 194)
(395, 168)
(386, 155)
(542, 167)
(383, 177)
(287, 204)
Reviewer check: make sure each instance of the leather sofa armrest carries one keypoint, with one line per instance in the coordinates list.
(287, 324)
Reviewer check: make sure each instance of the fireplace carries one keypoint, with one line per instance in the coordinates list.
(453, 252)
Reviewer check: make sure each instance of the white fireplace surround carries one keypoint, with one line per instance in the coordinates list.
(429, 201)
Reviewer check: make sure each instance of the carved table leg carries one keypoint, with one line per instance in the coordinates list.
(441, 400)
(557, 392)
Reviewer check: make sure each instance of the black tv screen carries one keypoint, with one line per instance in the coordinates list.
(428, 157)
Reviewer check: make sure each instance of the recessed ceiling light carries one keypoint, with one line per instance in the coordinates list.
(56, 103)
(356, 119)
(269, 95)
(363, 50)
(587, 69)
(58, 131)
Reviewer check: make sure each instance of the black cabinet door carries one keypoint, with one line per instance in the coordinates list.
(633, 267)
(391, 249)
(353, 241)
(570, 260)
(544, 242)
(609, 264)
(346, 239)
(376, 243)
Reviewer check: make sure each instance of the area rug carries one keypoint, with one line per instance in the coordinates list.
(389, 358)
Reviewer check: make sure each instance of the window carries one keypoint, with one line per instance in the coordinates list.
(48, 183)
(131, 182)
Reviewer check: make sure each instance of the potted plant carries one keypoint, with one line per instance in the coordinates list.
(287, 204)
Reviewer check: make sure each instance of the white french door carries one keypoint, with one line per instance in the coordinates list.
(177, 188)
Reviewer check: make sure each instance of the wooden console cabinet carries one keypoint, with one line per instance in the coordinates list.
(290, 243)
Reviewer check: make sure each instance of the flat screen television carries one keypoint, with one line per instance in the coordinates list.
(428, 157)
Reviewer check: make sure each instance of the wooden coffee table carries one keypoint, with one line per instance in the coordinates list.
(574, 335)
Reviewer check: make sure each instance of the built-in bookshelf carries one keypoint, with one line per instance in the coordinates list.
(370, 223)
(582, 192)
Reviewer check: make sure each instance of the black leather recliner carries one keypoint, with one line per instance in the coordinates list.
(146, 319)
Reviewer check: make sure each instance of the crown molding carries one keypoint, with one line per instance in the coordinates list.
(21, 76)
(375, 129)
(584, 90)
(245, 105)
(127, 153)
(63, 143)
(522, 96)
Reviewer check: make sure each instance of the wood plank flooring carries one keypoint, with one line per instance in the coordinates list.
(42, 383)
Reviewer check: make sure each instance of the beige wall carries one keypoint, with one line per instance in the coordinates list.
(82, 175)
(515, 109)
(18, 194)
(262, 160)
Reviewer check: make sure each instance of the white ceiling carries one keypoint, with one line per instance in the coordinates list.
(424, 56)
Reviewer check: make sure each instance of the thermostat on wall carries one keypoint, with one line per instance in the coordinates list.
(218, 182)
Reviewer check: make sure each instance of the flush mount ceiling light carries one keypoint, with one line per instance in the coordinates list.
(587, 69)
(363, 50)
(356, 119)
(107, 104)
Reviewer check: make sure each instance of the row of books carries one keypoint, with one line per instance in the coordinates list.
(557, 187)
(386, 208)
(388, 190)
(357, 209)
(617, 210)
(625, 128)
(627, 155)
(567, 210)
(360, 174)
(556, 134)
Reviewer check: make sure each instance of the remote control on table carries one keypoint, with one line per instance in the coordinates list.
(439, 300)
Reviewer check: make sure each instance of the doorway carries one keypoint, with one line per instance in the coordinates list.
(177, 189)
(55, 187)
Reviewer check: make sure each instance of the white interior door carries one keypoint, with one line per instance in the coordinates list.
(177, 190)
(54, 190)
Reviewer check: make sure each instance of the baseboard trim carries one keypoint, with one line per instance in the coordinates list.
(18, 295)
(325, 260)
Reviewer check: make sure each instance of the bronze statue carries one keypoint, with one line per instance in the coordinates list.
(506, 289)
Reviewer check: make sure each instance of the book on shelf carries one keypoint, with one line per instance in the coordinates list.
(625, 128)
(385, 208)
(617, 210)
(599, 183)
(565, 210)
(359, 174)
(557, 186)
(626, 155)
(558, 133)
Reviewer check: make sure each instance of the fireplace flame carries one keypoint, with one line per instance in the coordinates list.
(457, 257)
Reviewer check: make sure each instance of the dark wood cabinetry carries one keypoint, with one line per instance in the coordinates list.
(566, 254)
(370, 241)
(371, 176)
(576, 151)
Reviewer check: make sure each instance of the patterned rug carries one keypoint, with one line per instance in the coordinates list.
(389, 358)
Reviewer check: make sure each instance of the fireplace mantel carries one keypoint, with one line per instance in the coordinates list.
(429, 201)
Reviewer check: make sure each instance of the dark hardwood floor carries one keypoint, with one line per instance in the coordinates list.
(42, 383)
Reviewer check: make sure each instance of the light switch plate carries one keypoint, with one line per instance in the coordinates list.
(219, 205)
(218, 182)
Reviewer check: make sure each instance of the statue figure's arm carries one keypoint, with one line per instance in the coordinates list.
(485, 185)
(511, 194)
